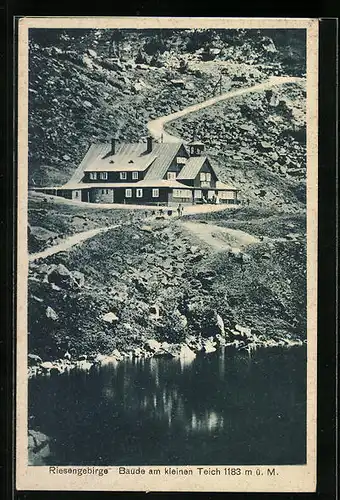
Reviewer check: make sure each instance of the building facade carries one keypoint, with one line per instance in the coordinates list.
(151, 173)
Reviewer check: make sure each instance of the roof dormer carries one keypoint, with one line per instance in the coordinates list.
(196, 148)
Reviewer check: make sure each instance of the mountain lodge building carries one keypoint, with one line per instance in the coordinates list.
(151, 173)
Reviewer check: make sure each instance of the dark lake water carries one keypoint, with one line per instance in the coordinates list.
(223, 408)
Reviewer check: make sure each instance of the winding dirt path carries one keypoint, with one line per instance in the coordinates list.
(70, 242)
(156, 127)
(220, 238)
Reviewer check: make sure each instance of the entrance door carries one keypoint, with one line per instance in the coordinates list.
(205, 195)
(85, 195)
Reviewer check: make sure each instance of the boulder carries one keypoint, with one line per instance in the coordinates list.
(244, 330)
(84, 365)
(220, 340)
(87, 61)
(274, 101)
(92, 52)
(266, 146)
(268, 45)
(183, 321)
(220, 324)
(147, 229)
(246, 127)
(137, 353)
(38, 447)
(60, 276)
(51, 314)
(152, 345)
(110, 317)
(209, 346)
(137, 87)
(46, 366)
(186, 352)
(176, 351)
(116, 354)
(78, 279)
(104, 360)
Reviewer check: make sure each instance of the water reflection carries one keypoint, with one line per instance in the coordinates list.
(225, 407)
(210, 421)
(152, 388)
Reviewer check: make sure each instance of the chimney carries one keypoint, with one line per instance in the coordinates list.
(113, 146)
(149, 145)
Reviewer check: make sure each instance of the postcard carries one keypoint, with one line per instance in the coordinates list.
(167, 254)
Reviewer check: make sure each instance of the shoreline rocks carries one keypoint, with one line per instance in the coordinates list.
(187, 350)
(38, 447)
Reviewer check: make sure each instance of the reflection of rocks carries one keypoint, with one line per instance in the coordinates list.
(208, 422)
(34, 360)
(38, 448)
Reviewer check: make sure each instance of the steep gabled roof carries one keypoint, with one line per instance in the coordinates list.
(95, 152)
(165, 152)
(98, 159)
(122, 162)
(192, 167)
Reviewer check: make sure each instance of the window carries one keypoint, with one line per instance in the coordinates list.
(205, 176)
(134, 176)
(122, 176)
(171, 176)
(128, 193)
(198, 193)
(155, 193)
(103, 176)
(139, 193)
(77, 194)
(107, 191)
(93, 176)
(226, 195)
(181, 193)
(103, 191)
(181, 160)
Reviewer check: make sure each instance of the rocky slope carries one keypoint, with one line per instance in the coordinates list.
(88, 85)
(258, 142)
(156, 281)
